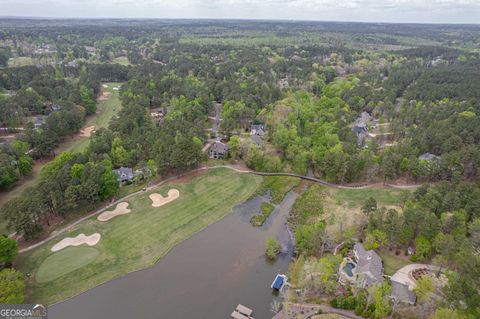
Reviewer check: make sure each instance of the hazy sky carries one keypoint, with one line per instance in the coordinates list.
(436, 11)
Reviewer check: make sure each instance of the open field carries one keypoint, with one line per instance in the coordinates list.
(123, 60)
(135, 240)
(356, 197)
(20, 61)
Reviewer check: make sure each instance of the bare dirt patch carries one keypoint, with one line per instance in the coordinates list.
(105, 95)
(158, 200)
(121, 209)
(81, 239)
(87, 131)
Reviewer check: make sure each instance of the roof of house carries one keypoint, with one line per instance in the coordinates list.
(39, 121)
(400, 292)
(219, 147)
(360, 126)
(257, 129)
(124, 173)
(370, 264)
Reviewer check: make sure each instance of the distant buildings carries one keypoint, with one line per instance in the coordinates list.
(283, 83)
(39, 121)
(361, 127)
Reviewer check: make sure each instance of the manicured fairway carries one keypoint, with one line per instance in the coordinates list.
(138, 239)
(105, 111)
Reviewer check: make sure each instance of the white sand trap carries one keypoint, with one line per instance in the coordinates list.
(158, 200)
(105, 86)
(87, 132)
(121, 209)
(81, 239)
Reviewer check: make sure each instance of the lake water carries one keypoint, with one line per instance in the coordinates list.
(205, 276)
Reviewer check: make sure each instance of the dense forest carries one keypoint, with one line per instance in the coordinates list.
(347, 103)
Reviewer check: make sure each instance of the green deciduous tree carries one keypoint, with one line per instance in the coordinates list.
(12, 287)
(8, 249)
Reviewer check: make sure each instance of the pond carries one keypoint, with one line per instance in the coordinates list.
(205, 276)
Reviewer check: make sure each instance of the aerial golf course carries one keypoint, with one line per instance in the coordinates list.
(133, 237)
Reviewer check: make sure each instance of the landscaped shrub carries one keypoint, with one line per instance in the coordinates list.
(272, 248)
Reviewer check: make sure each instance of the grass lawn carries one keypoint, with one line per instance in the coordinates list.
(136, 240)
(123, 60)
(357, 197)
(391, 262)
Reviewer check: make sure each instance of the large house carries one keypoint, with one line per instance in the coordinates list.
(362, 268)
(218, 150)
(126, 174)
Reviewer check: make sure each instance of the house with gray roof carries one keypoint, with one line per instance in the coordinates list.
(362, 268)
(39, 121)
(360, 127)
(126, 174)
(218, 150)
(257, 129)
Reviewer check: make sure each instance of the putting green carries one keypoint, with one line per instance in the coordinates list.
(64, 262)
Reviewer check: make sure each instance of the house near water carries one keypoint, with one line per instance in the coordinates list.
(362, 268)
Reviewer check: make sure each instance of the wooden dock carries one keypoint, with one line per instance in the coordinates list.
(242, 312)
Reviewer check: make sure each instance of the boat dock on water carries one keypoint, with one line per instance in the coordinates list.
(279, 282)
(242, 312)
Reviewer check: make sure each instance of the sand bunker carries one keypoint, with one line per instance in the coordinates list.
(121, 209)
(91, 240)
(87, 132)
(158, 200)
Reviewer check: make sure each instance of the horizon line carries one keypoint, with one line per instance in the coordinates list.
(232, 19)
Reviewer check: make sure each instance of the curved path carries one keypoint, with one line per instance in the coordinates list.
(312, 179)
(321, 181)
